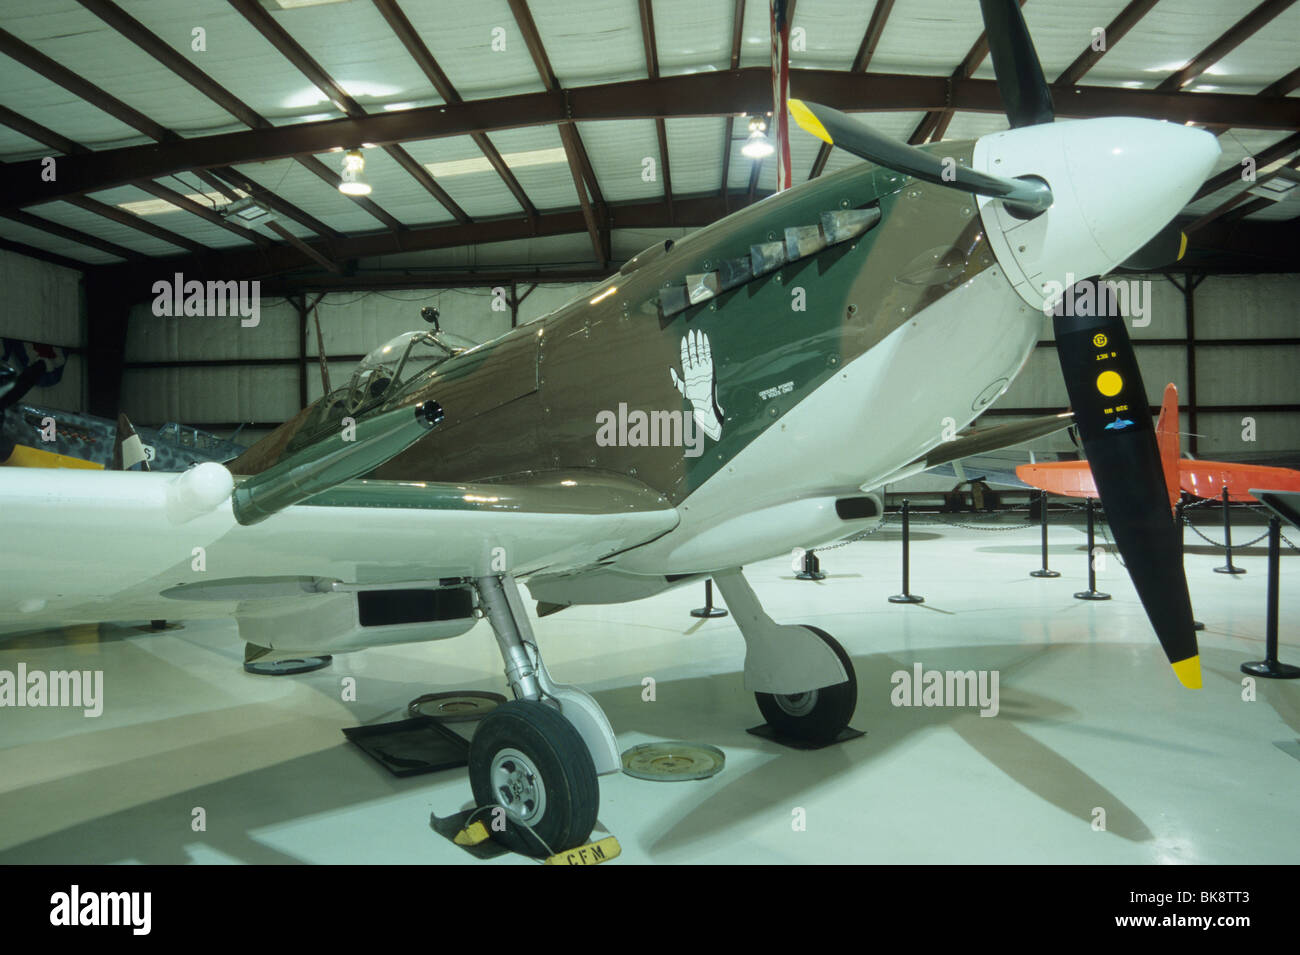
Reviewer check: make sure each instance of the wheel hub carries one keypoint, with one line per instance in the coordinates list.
(518, 786)
(797, 704)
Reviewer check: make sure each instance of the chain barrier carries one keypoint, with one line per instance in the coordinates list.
(854, 539)
(936, 521)
(897, 519)
(1235, 546)
(1215, 502)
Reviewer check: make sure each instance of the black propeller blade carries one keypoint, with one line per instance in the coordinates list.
(1026, 197)
(1101, 372)
(1114, 422)
(1025, 96)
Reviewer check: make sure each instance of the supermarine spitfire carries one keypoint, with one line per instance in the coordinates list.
(396, 508)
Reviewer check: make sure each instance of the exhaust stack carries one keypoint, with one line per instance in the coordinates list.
(332, 461)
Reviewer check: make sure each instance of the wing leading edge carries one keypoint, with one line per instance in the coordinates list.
(101, 546)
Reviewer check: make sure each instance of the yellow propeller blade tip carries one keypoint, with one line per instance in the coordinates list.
(810, 123)
(1182, 246)
(1189, 672)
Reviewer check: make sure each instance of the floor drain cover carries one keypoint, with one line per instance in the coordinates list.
(458, 706)
(673, 761)
(287, 667)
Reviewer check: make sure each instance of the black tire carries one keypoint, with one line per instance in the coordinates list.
(818, 715)
(554, 759)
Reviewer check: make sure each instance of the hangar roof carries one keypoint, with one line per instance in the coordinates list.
(520, 120)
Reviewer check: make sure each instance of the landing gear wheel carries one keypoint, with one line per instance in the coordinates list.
(816, 716)
(529, 760)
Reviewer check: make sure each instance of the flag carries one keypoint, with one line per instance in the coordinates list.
(22, 355)
(781, 92)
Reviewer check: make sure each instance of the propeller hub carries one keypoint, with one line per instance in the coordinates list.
(1132, 176)
(1116, 183)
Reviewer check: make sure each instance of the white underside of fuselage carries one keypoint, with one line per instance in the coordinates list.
(876, 414)
(113, 549)
(901, 398)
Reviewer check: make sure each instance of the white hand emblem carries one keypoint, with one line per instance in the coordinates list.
(698, 384)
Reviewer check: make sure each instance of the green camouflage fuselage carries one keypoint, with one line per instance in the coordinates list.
(534, 399)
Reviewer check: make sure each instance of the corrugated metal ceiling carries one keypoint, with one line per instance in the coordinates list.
(482, 49)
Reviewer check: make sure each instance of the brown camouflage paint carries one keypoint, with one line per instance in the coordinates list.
(527, 402)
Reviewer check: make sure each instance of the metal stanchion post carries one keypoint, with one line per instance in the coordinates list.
(1228, 568)
(708, 610)
(1270, 666)
(1044, 571)
(1092, 593)
(906, 597)
(812, 567)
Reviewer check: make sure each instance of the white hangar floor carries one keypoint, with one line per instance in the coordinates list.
(1089, 718)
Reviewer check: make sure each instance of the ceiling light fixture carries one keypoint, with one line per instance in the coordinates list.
(354, 164)
(248, 212)
(154, 207)
(295, 4)
(1281, 186)
(757, 146)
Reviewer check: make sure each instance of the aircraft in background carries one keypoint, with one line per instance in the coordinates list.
(675, 423)
(996, 469)
(86, 441)
(1197, 477)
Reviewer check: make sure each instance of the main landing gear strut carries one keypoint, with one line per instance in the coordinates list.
(535, 761)
(538, 757)
(802, 679)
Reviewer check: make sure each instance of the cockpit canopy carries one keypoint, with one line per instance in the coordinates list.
(383, 374)
(399, 360)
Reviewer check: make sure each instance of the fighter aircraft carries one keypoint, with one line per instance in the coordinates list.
(677, 422)
(38, 437)
(1197, 477)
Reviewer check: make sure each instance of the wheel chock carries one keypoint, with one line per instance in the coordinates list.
(472, 835)
(476, 839)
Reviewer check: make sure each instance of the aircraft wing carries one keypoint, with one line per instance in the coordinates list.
(106, 546)
(1208, 478)
(998, 470)
(1204, 479)
(1285, 504)
(955, 451)
(1062, 478)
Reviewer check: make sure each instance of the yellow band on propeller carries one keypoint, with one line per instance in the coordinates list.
(805, 118)
(1188, 672)
(1182, 246)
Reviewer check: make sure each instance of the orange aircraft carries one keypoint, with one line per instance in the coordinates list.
(1205, 479)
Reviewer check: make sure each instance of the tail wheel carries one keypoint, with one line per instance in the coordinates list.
(814, 716)
(530, 761)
